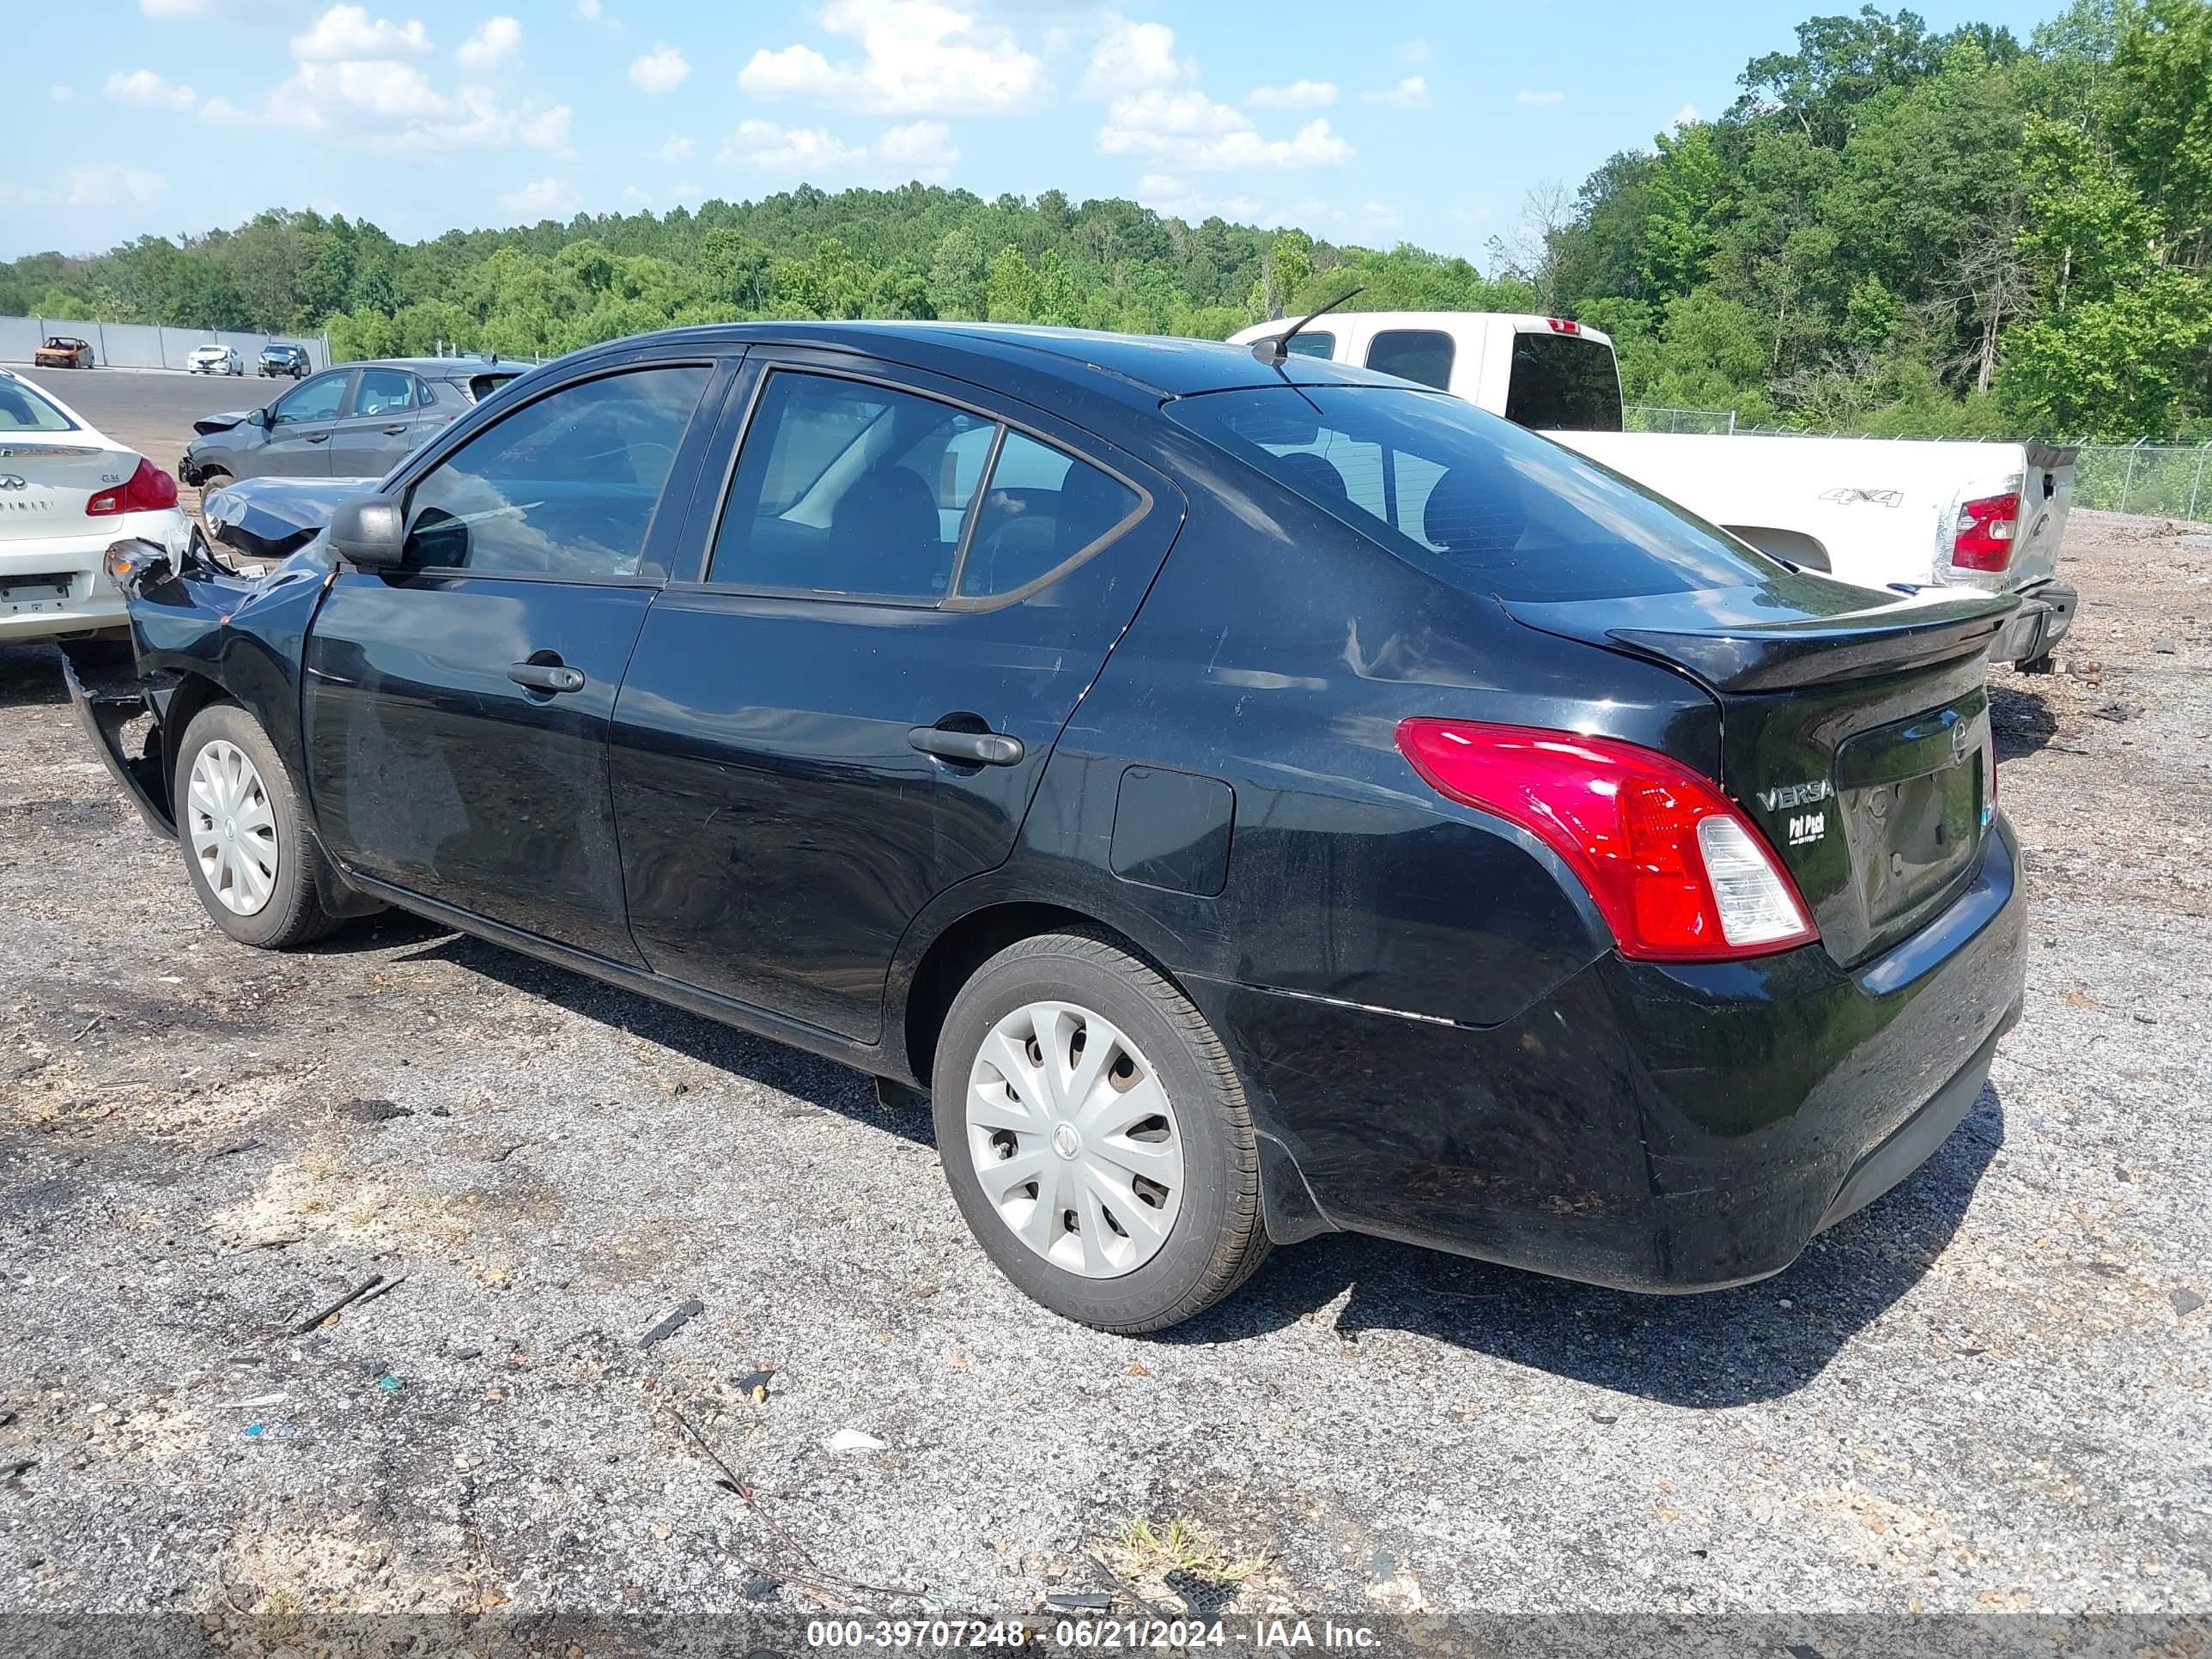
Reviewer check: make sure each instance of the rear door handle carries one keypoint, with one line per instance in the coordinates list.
(393, 431)
(316, 437)
(549, 676)
(967, 748)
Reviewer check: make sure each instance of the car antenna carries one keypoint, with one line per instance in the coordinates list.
(1271, 349)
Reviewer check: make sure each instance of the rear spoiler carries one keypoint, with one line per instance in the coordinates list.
(1732, 655)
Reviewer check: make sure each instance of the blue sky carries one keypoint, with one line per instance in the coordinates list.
(1363, 121)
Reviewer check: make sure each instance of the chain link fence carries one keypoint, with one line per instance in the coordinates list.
(2174, 480)
(1652, 417)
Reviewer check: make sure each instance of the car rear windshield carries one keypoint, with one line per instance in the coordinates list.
(1467, 496)
(23, 410)
(1563, 382)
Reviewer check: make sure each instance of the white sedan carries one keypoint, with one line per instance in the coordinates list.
(215, 358)
(66, 492)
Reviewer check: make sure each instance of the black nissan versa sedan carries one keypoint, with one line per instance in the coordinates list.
(1253, 798)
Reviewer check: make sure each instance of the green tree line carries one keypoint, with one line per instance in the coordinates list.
(1893, 229)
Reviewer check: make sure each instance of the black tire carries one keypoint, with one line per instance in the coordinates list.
(292, 913)
(212, 480)
(1217, 1239)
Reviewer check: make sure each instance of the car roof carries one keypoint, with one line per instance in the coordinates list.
(1029, 360)
(437, 367)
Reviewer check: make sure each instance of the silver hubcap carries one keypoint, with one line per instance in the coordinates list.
(233, 828)
(1075, 1140)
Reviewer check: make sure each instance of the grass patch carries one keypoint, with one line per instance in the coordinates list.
(1182, 1545)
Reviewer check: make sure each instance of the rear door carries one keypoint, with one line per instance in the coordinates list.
(389, 415)
(456, 709)
(897, 598)
(297, 442)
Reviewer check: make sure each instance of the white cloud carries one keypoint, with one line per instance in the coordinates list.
(371, 86)
(1131, 56)
(767, 147)
(1172, 199)
(917, 57)
(495, 40)
(1299, 94)
(588, 11)
(1412, 93)
(661, 70)
(144, 87)
(1539, 99)
(919, 149)
(544, 199)
(677, 149)
(1686, 116)
(349, 31)
(1414, 53)
(103, 184)
(1189, 130)
(228, 11)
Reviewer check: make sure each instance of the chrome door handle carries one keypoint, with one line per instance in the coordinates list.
(967, 748)
(548, 677)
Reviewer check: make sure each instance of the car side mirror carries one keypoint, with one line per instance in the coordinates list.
(257, 418)
(370, 530)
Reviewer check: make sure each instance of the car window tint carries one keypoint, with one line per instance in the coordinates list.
(1414, 353)
(564, 487)
(314, 400)
(1473, 499)
(21, 409)
(844, 486)
(1313, 342)
(384, 390)
(1042, 508)
(1563, 382)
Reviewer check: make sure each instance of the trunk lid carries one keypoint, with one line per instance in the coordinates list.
(45, 482)
(1854, 732)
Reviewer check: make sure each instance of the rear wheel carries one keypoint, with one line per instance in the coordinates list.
(240, 826)
(1096, 1136)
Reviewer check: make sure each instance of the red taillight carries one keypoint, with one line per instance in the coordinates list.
(1679, 874)
(1984, 534)
(1564, 325)
(149, 490)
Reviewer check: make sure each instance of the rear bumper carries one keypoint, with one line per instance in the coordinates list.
(2046, 611)
(52, 585)
(1649, 1126)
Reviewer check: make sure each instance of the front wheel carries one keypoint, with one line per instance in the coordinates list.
(1096, 1137)
(239, 823)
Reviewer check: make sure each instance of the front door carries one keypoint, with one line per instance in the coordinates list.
(901, 602)
(457, 708)
(295, 443)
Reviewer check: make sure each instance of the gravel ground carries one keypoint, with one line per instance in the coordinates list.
(1987, 1392)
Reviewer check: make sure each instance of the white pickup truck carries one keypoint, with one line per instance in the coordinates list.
(1879, 513)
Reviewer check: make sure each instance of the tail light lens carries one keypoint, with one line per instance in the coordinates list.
(1984, 539)
(1677, 872)
(149, 490)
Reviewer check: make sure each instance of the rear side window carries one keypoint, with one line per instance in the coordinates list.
(845, 487)
(1414, 353)
(564, 487)
(1313, 342)
(482, 387)
(1044, 509)
(1472, 499)
(1563, 382)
